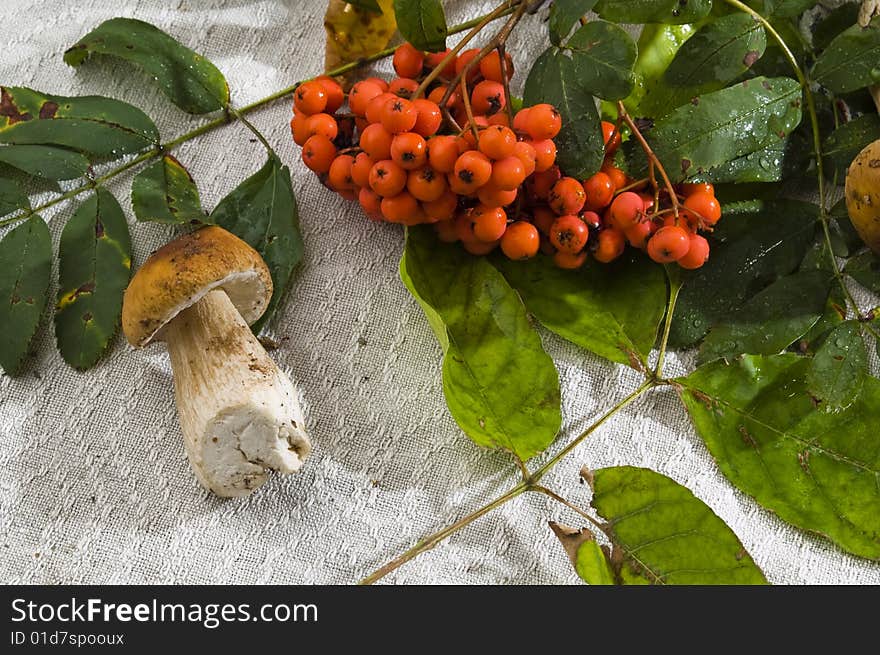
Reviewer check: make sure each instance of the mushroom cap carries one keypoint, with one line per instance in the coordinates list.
(183, 271)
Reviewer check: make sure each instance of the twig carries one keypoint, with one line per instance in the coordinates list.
(570, 505)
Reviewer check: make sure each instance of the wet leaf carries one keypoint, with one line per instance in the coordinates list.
(89, 124)
(25, 268)
(838, 20)
(501, 387)
(864, 268)
(11, 197)
(782, 8)
(839, 368)
(754, 244)
(556, 79)
(422, 23)
(564, 14)
(851, 61)
(603, 55)
(612, 310)
(717, 127)
(94, 266)
(188, 79)
(589, 560)
(165, 192)
(662, 534)
(262, 211)
(653, 11)
(718, 53)
(49, 162)
(354, 33)
(764, 165)
(816, 469)
(772, 320)
(844, 143)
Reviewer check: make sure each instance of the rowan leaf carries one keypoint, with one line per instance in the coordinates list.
(840, 366)
(165, 192)
(851, 61)
(49, 162)
(653, 11)
(354, 33)
(564, 14)
(422, 23)
(603, 56)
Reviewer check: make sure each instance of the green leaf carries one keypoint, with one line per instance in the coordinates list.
(772, 320)
(839, 19)
(422, 23)
(262, 211)
(165, 192)
(784, 8)
(864, 268)
(189, 80)
(844, 239)
(11, 197)
(588, 558)
(25, 268)
(556, 79)
(816, 469)
(754, 244)
(90, 124)
(501, 387)
(844, 143)
(367, 5)
(662, 534)
(764, 165)
(48, 162)
(851, 61)
(839, 368)
(717, 127)
(563, 16)
(718, 53)
(603, 55)
(612, 310)
(94, 266)
(653, 11)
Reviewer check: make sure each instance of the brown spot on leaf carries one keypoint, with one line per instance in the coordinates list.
(751, 57)
(685, 165)
(740, 554)
(804, 460)
(99, 229)
(15, 299)
(747, 437)
(48, 109)
(9, 109)
(87, 317)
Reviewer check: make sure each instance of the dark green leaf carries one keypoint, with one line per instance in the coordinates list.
(555, 79)
(90, 124)
(865, 269)
(189, 80)
(422, 23)
(772, 320)
(262, 211)
(844, 238)
(847, 141)
(834, 23)
(754, 244)
(785, 8)
(164, 192)
(25, 268)
(764, 165)
(94, 267)
(663, 534)
(563, 16)
(839, 368)
(11, 197)
(588, 558)
(603, 55)
(48, 162)
(500, 385)
(611, 310)
(717, 54)
(367, 5)
(717, 127)
(816, 469)
(851, 61)
(653, 11)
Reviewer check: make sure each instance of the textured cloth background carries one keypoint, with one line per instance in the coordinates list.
(94, 484)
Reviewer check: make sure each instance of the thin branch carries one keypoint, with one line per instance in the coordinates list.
(674, 289)
(570, 505)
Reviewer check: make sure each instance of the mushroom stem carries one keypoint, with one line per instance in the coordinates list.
(239, 413)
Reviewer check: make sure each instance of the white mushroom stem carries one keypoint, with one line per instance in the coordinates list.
(239, 413)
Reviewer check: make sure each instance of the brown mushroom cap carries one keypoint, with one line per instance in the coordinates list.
(181, 272)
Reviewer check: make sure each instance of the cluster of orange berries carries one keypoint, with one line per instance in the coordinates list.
(479, 173)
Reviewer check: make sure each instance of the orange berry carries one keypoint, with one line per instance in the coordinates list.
(436, 96)
(697, 254)
(335, 94)
(310, 97)
(520, 120)
(568, 260)
(508, 173)
(704, 210)
(376, 106)
(610, 137)
(387, 178)
(401, 208)
(443, 208)
(446, 231)
(543, 218)
(489, 222)
(477, 247)
(569, 234)
(495, 197)
(426, 184)
(429, 117)
(543, 122)
(442, 153)
(433, 59)
(408, 61)
(490, 68)
(592, 219)
(567, 196)
(542, 182)
(318, 153)
(610, 244)
(299, 127)
(690, 188)
(464, 58)
(497, 142)
(618, 177)
(360, 169)
(403, 87)
(370, 202)
(376, 142)
(339, 175)
(525, 152)
(501, 118)
(409, 150)
(361, 94)
(398, 115)
(545, 154)
(600, 191)
(520, 241)
(638, 234)
(323, 124)
(487, 97)
(626, 209)
(473, 169)
(670, 243)
(464, 227)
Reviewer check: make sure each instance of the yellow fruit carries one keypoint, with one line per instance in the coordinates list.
(863, 195)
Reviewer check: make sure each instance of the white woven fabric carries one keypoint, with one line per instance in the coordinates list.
(94, 484)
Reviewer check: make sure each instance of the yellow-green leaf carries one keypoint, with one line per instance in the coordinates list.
(165, 192)
(354, 33)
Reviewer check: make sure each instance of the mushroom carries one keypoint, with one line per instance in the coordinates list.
(238, 412)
